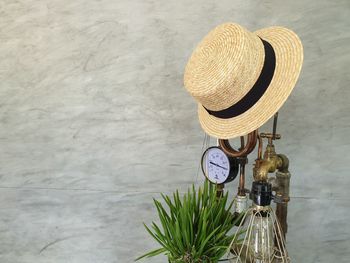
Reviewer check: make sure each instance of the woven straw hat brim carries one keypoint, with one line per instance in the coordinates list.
(289, 57)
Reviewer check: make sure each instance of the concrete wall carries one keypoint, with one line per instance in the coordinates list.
(94, 121)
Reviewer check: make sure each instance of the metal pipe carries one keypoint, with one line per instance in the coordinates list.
(260, 146)
(241, 154)
(220, 190)
(282, 198)
(247, 149)
(241, 186)
(275, 118)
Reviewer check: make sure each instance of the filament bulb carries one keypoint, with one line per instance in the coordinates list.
(261, 244)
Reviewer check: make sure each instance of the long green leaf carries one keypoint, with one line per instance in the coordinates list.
(152, 253)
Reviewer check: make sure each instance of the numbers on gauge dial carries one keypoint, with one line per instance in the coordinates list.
(217, 166)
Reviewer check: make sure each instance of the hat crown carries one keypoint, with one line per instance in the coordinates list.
(224, 66)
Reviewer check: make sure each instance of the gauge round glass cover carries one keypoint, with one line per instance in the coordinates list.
(215, 165)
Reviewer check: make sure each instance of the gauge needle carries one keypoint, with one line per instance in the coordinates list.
(217, 165)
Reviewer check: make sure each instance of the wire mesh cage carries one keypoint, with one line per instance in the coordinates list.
(259, 238)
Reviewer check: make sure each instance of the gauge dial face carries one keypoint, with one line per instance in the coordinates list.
(216, 165)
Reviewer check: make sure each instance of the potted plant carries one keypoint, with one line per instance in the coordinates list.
(194, 228)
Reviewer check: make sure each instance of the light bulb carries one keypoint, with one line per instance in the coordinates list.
(262, 243)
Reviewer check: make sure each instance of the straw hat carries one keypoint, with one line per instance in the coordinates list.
(240, 79)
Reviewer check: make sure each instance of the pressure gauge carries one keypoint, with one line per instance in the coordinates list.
(218, 167)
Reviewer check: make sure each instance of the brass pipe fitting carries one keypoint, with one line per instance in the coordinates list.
(268, 164)
(284, 163)
(282, 187)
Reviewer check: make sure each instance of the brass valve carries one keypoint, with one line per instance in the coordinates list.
(270, 136)
(270, 162)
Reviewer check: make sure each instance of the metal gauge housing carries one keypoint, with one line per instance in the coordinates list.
(217, 167)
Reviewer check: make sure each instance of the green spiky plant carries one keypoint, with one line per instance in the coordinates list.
(195, 229)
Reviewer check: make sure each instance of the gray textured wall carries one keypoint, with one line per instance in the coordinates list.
(95, 121)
